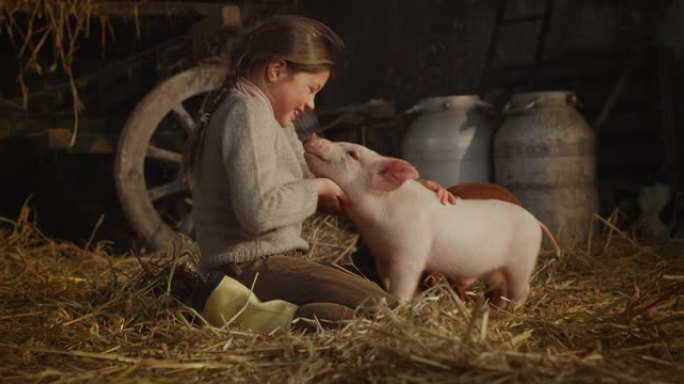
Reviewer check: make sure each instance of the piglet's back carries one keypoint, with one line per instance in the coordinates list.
(483, 191)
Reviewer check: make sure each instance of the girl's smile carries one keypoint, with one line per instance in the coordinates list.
(291, 93)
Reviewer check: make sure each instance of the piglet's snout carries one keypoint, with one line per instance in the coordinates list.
(313, 140)
(315, 146)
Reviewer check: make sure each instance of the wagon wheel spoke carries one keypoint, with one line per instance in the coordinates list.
(163, 154)
(184, 118)
(164, 190)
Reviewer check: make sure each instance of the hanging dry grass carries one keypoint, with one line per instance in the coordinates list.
(34, 25)
(81, 315)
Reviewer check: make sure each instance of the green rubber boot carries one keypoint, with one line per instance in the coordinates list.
(232, 302)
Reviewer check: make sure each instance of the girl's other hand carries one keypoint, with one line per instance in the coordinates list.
(445, 197)
(330, 196)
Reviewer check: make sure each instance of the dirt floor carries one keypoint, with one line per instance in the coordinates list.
(608, 311)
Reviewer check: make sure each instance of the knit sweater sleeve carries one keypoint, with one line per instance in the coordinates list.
(266, 193)
(299, 151)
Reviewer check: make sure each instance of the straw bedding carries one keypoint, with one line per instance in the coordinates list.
(609, 312)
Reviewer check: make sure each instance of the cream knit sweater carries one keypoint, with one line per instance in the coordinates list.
(252, 190)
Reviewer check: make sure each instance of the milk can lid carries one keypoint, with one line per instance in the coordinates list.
(544, 98)
(442, 103)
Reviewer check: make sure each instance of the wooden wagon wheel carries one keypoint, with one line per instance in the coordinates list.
(148, 158)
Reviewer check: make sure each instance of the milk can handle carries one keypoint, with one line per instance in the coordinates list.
(483, 104)
(418, 107)
(510, 109)
(571, 99)
(414, 109)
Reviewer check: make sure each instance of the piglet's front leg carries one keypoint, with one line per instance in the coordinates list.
(382, 266)
(404, 275)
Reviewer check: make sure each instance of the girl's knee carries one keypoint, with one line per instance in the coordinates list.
(310, 317)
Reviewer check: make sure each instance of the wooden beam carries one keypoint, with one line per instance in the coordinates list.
(229, 15)
(670, 141)
(59, 139)
(129, 8)
(648, 29)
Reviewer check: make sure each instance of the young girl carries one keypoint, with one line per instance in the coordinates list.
(251, 187)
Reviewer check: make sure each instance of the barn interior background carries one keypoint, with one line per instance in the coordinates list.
(622, 60)
(78, 78)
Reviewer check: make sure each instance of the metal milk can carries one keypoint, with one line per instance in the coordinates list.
(449, 142)
(544, 152)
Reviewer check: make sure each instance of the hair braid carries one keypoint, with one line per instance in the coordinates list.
(196, 139)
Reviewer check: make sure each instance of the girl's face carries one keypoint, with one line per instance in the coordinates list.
(292, 93)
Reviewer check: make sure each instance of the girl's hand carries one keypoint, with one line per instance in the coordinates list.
(330, 196)
(445, 197)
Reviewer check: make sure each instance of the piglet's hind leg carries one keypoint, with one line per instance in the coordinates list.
(497, 287)
(517, 277)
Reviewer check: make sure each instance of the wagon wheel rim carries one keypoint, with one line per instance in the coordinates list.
(149, 155)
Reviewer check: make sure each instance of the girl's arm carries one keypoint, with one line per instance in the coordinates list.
(331, 198)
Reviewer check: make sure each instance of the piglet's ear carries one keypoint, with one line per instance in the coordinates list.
(391, 175)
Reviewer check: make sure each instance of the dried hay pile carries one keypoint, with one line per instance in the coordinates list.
(47, 28)
(70, 314)
(46, 37)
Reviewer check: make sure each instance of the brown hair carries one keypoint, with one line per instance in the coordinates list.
(306, 45)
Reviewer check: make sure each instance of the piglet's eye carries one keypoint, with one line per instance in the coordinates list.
(353, 154)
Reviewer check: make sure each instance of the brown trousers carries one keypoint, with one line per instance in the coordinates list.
(321, 291)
